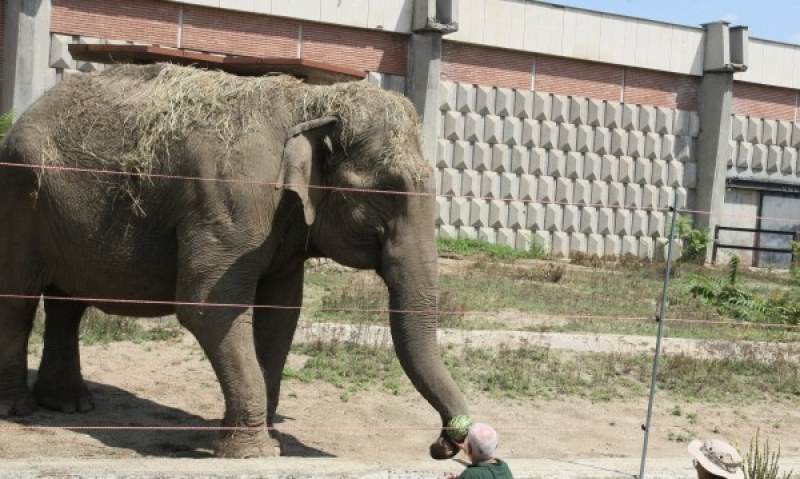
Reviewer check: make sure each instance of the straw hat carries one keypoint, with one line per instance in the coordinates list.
(717, 457)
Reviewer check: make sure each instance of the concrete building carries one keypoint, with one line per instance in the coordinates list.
(545, 123)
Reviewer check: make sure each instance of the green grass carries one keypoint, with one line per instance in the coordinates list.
(474, 247)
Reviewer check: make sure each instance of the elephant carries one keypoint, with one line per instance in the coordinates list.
(148, 190)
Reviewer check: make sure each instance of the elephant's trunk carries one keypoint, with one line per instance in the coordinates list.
(410, 271)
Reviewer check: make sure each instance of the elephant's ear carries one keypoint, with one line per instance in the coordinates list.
(307, 145)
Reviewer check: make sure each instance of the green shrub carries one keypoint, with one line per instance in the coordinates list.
(695, 241)
(474, 247)
(761, 462)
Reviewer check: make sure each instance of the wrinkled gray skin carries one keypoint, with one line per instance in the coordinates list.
(73, 234)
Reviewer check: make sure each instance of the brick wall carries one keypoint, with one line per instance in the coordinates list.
(486, 66)
(579, 78)
(214, 30)
(764, 101)
(670, 90)
(147, 21)
(366, 49)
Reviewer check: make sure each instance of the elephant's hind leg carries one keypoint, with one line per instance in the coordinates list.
(16, 321)
(60, 385)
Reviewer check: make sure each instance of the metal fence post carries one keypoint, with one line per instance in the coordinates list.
(660, 319)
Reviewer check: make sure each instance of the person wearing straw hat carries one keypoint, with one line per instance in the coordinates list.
(716, 458)
(479, 446)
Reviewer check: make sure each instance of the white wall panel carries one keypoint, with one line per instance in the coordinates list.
(581, 34)
(306, 9)
(687, 50)
(756, 63)
(396, 15)
(471, 22)
(543, 31)
(507, 26)
(282, 7)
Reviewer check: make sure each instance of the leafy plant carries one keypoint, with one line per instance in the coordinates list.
(761, 461)
(474, 247)
(794, 268)
(6, 120)
(695, 241)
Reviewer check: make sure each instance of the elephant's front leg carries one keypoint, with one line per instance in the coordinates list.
(274, 329)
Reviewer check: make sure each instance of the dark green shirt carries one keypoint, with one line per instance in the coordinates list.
(498, 470)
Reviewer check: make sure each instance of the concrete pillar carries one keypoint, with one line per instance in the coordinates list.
(432, 19)
(725, 52)
(26, 52)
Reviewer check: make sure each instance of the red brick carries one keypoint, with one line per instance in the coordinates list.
(368, 50)
(486, 66)
(146, 21)
(671, 90)
(764, 101)
(564, 76)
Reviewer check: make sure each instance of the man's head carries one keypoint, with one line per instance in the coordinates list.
(481, 442)
(716, 458)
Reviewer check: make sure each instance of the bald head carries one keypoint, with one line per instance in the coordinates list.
(482, 441)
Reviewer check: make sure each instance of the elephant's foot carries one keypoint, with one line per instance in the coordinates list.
(244, 444)
(68, 398)
(22, 404)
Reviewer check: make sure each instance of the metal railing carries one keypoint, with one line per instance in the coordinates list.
(756, 241)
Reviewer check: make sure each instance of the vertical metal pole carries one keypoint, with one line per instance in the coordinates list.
(660, 319)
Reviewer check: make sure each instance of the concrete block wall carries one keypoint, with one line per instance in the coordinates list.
(764, 149)
(576, 173)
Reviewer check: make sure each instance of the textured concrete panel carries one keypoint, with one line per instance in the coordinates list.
(453, 125)
(534, 216)
(506, 237)
(523, 104)
(473, 127)
(647, 118)
(516, 214)
(619, 142)
(667, 148)
(639, 223)
(538, 161)
(553, 217)
(459, 212)
(465, 97)
(585, 139)
(542, 106)
(482, 157)
(659, 168)
(527, 187)
(574, 168)
(577, 243)
(479, 213)
(633, 195)
(610, 168)
(613, 117)
(523, 240)
(616, 194)
(484, 100)
(630, 117)
(490, 184)
(773, 161)
(675, 174)
(462, 155)
(738, 127)
(754, 130)
(625, 169)
(642, 171)
(682, 125)
(60, 57)
(520, 160)
(602, 141)
(509, 186)
(512, 131)
(690, 175)
(444, 153)
(544, 238)
(560, 108)
(450, 182)
(549, 132)
(783, 136)
(795, 143)
(467, 232)
(563, 190)
(612, 246)
(630, 246)
(684, 148)
(760, 156)
(546, 190)
(504, 102)
(655, 225)
(646, 248)
(682, 197)
(442, 211)
(605, 221)
(589, 220)
(592, 166)
(531, 133)
(560, 245)
(596, 112)
(652, 146)
(488, 235)
(664, 121)
(599, 193)
(595, 245)
(622, 222)
(578, 110)
(567, 137)
(492, 129)
(770, 132)
(789, 161)
(447, 96)
(470, 183)
(501, 158)
(498, 214)
(665, 197)
(733, 153)
(635, 143)
(694, 124)
(447, 231)
(572, 219)
(556, 163)
(649, 196)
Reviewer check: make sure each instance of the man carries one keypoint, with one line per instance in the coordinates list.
(479, 446)
(716, 459)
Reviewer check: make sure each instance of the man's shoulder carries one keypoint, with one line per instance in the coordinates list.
(498, 470)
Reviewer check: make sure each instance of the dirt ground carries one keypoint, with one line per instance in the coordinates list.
(172, 385)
